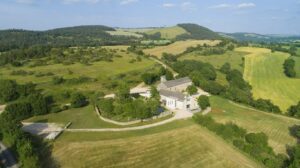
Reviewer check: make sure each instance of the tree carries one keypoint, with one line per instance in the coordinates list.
(38, 103)
(289, 68)
(294, 110)
(123, 92)
(203, 102)
(8, 90)
(149, 78)
(78, 100)
(169, 75)
(154, 93)
(225, 68)
(192, 89)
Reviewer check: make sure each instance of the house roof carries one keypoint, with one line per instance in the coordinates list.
(177, 95)
(176, 82)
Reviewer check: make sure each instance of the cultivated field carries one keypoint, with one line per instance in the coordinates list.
(264, 71)
(189, 145)
(275, 126)
(235, 58)
(168, 32)
(178, 47)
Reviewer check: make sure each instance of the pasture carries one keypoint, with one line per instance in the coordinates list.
(168, 32)
(264, 71)
(178, 47)
(177, 144)
(235, 58)
(276, 127)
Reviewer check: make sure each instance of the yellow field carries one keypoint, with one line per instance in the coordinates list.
(168, 32)
(264, 71)
(190, 146)
(178, 47)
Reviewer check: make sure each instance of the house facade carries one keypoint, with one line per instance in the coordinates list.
(173, 94)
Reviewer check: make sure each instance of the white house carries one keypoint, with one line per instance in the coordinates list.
(173, 94)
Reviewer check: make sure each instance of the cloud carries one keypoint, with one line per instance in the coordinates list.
(246, 5)
(188, 6)
(125, 2)
(221, 6)
(168, 5)
(25, 1)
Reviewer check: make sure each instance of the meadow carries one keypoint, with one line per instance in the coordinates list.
(168, 32)
(177, 144)
(121, 32)
(102, 73)
(264, 71)
(178, 47)
(276, 127)
(235, 58)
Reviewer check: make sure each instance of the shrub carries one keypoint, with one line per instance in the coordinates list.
(192, 89)
(78, 100)
(289, 68)
(203, 102)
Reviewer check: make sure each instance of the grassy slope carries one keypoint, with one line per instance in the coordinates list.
(275, 126)
(187, 146)
(264, 71)
(177, 47)
(232, 57)
(168, 32)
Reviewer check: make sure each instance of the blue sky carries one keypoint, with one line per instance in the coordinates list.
(259, 16)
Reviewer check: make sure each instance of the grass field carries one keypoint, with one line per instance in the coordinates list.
(275, 126)
(168, 32)
(264, 71)
(177, 47)
(177, 144)
(120, 32)
(235, 58)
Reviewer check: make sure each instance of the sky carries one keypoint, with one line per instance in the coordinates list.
(255, 16)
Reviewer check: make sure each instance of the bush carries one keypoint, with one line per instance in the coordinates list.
(294, 110)
(78, 100)
(203, 102)
(57, 80)
(8, 90)
(150, 78)
(289, 68)
(226, 68)
(192, 89)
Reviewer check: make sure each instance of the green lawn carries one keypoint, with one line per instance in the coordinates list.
(177, 144)
(275, 126)
(264, 71)
(232, 57)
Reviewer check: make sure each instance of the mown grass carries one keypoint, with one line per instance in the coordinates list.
(235, 58)
(177, 144)
(168, 32)
(85, 117)
(264, 71)
(276, 127)
(178, 47)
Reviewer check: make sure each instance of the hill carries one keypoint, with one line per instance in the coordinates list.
(254, 37)
(168, 32)
(69, 36)
(197, 32)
